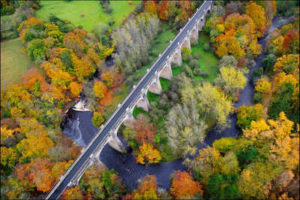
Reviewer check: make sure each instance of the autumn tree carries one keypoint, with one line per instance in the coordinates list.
(287, 63)
(210, 161)
(108, 79)
(75, 88)
(227, 44)
(214, 26)
(72, 193)
(231, 79)
(73, 40)
(7, 136)
(225, 144)
(101, 184)
(270, 8)
(83, 67)
(99, 89)
(9, 157)
(282, 98)
(184, 187)
(254, 179)
(247, 114)
(213, 102)
(144, 130)
(151, 7)
(278, 135)
(59, 168)
(38, 172)
(58, 77)
(186, 8)
(147, 153)
(257, 13)
(227, 61)
(147, 188)
(263, 86)
(262, 89)
(36, 143)
(291, 42)
(97, 119)
(163, 11)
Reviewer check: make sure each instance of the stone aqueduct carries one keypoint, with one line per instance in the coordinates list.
(153, 86)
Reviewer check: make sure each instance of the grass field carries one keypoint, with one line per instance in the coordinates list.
(14, 62)
(208, 61)
(92, 11)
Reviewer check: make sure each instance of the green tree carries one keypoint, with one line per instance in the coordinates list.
(36, 50)
(247, 114)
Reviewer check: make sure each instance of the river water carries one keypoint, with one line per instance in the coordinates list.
(80, 129)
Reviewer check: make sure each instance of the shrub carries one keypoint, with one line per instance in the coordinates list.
(225, 144)
(197, 71)
(185, 52)
(189, 58)
(194, 42)
(188, 71)
(204, 74)
(269, 62)
(154, 53)
(196, 56)
(247, 114)
(257, 73)
(257, 97)
(174, 65)
(97, 119)
(36, 49)
(194, 64)
(206, 46)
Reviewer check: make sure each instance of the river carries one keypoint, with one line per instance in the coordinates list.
(125, 164)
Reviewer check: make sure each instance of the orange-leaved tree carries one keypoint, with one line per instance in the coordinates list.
(146, 189)
(72, 193)
(183, 186)
(257, 13)
(99, 89)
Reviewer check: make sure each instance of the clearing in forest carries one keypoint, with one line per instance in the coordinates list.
(14, 62)
(86, 13)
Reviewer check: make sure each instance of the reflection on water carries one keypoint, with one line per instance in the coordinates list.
(73, 131)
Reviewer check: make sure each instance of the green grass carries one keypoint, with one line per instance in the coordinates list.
(92, 11)
(177, 70)
(137, 111)
(164, 83)
(152, 97)
(14, 62)
(208, 61)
